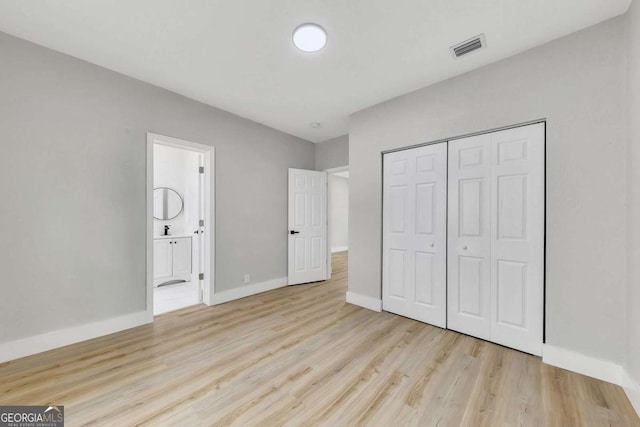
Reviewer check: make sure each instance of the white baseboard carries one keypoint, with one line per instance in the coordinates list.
(48, 341)
(585, 365)
(339, 249)
(632, 389)
(365, 301)
(248, 290)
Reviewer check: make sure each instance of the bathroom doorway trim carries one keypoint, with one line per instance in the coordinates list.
(208, 229)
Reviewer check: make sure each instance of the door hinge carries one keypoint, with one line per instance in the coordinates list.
(201, 223)
(201, 169)
(201, 276)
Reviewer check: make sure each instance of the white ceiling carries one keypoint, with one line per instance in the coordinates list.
(237, 54)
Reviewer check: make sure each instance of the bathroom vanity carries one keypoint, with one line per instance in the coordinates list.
(171, 259)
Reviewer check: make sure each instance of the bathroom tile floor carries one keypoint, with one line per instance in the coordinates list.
(172, 297)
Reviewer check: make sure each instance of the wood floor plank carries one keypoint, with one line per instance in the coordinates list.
(301, 356)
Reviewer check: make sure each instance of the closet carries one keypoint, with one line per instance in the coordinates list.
(463, 235)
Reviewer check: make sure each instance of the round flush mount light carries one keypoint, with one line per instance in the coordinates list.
(309, 37)
(314, 125)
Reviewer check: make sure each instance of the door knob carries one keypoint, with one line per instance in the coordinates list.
(464, 248)
(294, 232)
(432, 245)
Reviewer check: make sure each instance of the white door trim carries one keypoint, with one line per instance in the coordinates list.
(467, 135)
(208, 153)
(331, 171)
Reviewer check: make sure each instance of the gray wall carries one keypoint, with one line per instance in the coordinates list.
(73, 197)
(333, 153)
(633, 213)
(578, 84)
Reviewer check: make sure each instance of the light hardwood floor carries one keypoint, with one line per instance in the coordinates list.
(302, 356)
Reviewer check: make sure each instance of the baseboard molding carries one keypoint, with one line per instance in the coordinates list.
(365, 301)
(585, 365)
(48, 341)
(632, 389)
(248, 290)
(339, 249)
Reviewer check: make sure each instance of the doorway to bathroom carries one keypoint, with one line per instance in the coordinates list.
(180, 227)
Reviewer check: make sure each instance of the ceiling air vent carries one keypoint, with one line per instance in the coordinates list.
(468, 46)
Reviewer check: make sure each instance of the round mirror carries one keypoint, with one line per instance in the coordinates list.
(167, 203)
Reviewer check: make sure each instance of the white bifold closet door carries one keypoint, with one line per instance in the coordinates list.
(414, 233)
(496, 237)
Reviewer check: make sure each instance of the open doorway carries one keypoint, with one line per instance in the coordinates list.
(338, 217)
(180, 205)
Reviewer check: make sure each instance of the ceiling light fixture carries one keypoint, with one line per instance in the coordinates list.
(309, 37)
(314, 125)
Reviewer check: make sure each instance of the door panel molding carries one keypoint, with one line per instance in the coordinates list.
(468, 237)
(510, 286)
(308, 230)
(414, 234)
(495, 217)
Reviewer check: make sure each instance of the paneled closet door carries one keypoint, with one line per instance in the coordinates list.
(414, 233)
(496, 237)
(469, 238)
(517, 238)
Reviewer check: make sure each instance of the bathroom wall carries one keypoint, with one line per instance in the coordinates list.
(178, 169)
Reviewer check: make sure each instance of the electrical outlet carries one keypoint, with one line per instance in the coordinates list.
(247, 278)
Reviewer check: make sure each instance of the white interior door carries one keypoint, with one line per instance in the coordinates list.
(496, 237)
(414, 233)
(307, 226)
(469, 241)
(517, 238)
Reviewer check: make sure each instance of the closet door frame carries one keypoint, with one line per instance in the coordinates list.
(446, 140)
